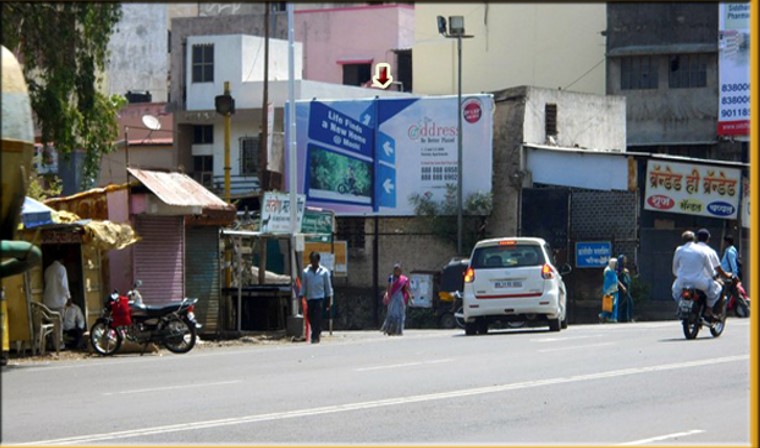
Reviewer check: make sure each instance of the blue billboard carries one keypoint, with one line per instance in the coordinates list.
(592, 254)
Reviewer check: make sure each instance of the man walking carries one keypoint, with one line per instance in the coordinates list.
(316, 287)
(729, 261)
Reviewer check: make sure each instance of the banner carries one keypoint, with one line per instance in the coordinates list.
(369, 156)
(275, 212)
(692, 189)
(733, 69)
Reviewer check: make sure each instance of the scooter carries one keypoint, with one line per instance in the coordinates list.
(738, 301)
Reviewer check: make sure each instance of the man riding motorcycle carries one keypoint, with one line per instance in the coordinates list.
(695, 264)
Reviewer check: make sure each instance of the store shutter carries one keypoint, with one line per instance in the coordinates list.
(203, 275)
(159, 258)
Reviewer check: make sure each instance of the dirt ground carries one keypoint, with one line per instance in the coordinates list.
(269, 338)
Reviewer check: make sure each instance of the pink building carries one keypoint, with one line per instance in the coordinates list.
(343, 45)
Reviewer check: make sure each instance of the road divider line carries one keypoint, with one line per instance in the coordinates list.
(576, 347)
(565, 338)
(157, 389)
(408, 364)
(665, 437)
(348, 407)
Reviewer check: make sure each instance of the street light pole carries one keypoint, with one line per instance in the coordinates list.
(459, 145)
(456, 30)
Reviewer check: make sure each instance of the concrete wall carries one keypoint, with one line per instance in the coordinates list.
(539, 44)
(583, 120)
(113, 165)
(664, 115)
(351, 33)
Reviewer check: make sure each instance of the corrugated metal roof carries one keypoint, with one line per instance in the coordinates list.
(179, 189)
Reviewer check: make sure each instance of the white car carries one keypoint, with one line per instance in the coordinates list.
(513, 280)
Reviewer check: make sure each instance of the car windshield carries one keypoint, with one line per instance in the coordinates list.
(507, 256)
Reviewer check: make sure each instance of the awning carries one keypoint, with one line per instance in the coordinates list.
(105, 235)
(180, 190)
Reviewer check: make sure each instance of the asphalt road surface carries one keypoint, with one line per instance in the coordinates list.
(624, 384)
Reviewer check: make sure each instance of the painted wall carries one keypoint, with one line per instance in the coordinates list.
(583, 120)
(539, 44)
(351, 33)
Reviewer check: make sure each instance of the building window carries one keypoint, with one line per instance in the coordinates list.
(404, 69)
(203, 170)
(638, 72)
(279, 6)
(356, 74)
(203, 63)
(687, 71)
(550, 119)
(351, 230)
(249, 156)
(203, 134)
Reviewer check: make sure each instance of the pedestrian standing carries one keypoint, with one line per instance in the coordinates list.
(397, 296)
(56, 291)
(729, 261)
(625, 305)
(316, 287)
(610, 287)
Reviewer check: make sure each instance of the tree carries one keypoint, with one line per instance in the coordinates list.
(63, 47)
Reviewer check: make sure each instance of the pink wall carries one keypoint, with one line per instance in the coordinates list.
(120, 261)
(364, 32)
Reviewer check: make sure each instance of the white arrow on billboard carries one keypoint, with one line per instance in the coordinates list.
(388, 185)
(367, 119)
(388, 149)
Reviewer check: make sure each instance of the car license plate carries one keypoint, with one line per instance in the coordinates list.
(507, 284)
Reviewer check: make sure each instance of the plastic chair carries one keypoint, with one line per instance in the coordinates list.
(46, 322)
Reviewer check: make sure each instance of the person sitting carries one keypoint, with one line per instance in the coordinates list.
(73, 325)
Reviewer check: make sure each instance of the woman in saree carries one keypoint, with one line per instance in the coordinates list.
(396, 298)
(610, 287)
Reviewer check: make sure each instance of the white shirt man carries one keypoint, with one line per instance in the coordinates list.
(72, 317)
(694, 265)
(56, 291)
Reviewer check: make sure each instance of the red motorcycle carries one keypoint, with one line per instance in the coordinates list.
(738, 301)
(126, 317)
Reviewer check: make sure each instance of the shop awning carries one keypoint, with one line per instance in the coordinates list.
(179, 189)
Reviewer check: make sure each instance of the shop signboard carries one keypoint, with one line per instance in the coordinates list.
(333, 256)
(369, 156)
(692, 189)
(275, 212)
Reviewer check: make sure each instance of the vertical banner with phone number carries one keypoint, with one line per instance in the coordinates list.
(733, 69)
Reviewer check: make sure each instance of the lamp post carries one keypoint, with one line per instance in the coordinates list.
(456, 31)
(225, 105)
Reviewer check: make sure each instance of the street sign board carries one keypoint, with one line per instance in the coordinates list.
(275, 212)
(592, 254)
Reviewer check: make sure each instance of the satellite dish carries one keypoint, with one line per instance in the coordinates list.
(151, 122)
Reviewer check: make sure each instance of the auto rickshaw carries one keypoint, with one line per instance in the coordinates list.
(449, 301)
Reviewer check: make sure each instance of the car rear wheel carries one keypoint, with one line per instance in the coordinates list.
(555, 324)
(470, 329)
(482, 327)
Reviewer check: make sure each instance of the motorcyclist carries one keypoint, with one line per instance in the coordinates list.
(695, 264)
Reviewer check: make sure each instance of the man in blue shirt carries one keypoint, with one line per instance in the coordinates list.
(730, 256)
(316, 287)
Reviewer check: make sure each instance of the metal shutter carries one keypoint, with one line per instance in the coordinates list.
(203, 275)
(159, 258)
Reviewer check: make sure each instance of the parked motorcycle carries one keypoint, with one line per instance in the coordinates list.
(126, 317)
(691, 311)
(738, 301)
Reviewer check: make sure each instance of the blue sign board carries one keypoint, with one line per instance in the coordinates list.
(328, 125)
(592, 254)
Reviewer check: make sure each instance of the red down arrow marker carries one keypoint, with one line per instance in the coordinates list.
(383, 77)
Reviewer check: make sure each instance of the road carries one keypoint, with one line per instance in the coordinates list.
(624, 384)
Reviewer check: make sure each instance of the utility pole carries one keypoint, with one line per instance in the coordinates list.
(263, 141)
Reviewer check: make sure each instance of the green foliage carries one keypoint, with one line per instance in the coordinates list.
(440, 218)
(63, 48)
(640, 290)
(41, 187)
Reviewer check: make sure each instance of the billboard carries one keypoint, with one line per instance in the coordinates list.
(692, 189)
(368, 156)
(733, 69)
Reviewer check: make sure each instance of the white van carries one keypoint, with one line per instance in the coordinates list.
(513, 280)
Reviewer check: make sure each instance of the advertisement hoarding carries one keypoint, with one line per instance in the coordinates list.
(368, 156)
(692, 189)
(733, 69)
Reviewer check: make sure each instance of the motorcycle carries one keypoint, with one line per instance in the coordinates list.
(738, 301)
(691, 312)
(126, 317)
